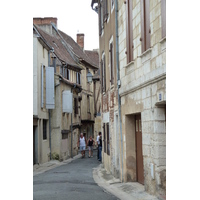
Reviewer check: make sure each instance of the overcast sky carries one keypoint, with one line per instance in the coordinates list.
(73, 16)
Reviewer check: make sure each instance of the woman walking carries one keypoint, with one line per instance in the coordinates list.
(90, 145)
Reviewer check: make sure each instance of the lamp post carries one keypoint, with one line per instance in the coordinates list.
(89, 77)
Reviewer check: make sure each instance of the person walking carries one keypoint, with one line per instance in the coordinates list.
(90, 145)
(98, 145)
(100, 149)
(82, 143)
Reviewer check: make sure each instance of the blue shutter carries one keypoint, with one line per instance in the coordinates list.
(50, 103)
(67, 101)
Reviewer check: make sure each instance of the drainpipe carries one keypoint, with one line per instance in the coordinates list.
(118, 80)
(49, 110)
(72, 121)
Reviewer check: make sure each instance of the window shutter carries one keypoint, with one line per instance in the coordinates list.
(111, 63)
(104, 69)
(67, 101)
(129, 31)
(102, 76)
(142, 24)
(108, 139)
(50, 104)
(105, 10)
(104, 137)
(147, 24)
(163, 16)
(42, 86)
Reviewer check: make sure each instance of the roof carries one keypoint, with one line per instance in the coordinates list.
(59, 49)
(94, 56)
(67, 50)
(83, 57)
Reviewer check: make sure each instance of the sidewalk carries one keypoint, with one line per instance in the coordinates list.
(41, 168)
(128, 191)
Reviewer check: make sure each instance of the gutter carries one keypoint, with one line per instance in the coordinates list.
(118, 81)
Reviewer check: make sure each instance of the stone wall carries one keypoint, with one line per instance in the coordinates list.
(143, 90)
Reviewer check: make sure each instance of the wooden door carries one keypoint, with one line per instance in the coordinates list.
(139, 155)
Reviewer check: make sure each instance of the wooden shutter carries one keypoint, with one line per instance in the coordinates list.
(111, 64)
(163, 16)
(67, 101)
(105, 10)
(145, 25)
(108, 139)
(129, 31)
(101, 63)
(104, 138)
(104, 70)
(142, 25)
(50, 104)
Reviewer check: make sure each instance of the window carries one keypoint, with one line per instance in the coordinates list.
(163, 16)
(75, 106)
(129, 31)
(105, 10)
(44, 129)
(66, 73)
(103, 14)
(103, 73)
(106, 138)
(145, 25)
(111, 64)
(88, 103)
(78, 78)
(112, 5)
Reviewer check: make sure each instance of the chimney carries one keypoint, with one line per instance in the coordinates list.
(80, 40)
(45, 21)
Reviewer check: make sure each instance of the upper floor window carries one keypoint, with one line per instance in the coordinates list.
(103, 14)
(111, 55)
(78, 78)
(67, 73)
(112, 5)
(145, 25)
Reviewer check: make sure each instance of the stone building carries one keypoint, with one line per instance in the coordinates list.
(141, 57)
(70, 91)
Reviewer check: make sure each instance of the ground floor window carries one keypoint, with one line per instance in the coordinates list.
(44, 129)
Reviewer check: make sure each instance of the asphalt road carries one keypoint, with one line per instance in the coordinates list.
(70, 181)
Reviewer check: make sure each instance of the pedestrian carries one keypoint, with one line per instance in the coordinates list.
(98, 145)
(82, 143)
(100, 148)
(90, 145)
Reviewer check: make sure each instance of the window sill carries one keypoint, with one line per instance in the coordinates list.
(163, 40)
(145, 56)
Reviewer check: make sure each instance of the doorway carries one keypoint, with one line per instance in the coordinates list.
(139, 155)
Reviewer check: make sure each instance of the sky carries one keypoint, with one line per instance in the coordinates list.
(73, 16)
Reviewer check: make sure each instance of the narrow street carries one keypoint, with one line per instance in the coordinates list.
(70, 181)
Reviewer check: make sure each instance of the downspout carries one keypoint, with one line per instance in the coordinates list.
(72, 121)
(49, 111)
(118, 80)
